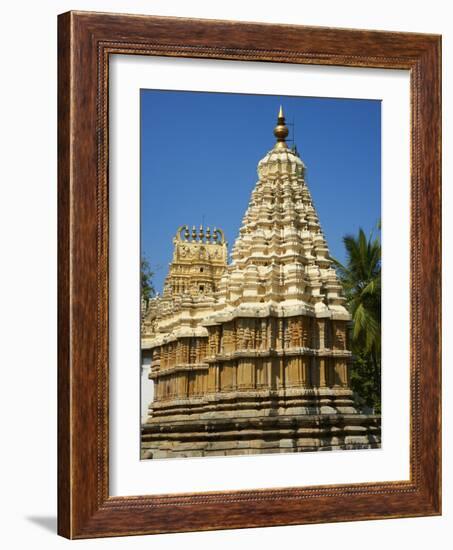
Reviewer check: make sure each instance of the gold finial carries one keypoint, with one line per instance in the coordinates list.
(281, 131)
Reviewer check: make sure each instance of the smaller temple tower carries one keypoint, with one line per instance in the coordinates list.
(199, 259)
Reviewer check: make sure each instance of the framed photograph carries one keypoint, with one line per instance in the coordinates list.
(249, 275)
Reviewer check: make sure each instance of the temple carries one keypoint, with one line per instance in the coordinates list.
(251, 356)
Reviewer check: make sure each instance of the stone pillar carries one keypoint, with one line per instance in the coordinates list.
(211, 382)
(305, 362)
(217, 378)
(314, 372)
(281, 364)
(341, 369)
(226, 376)
(322, 373)
(184, 384)
(321, 341)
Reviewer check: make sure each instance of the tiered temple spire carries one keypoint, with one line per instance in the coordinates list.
(281, 255)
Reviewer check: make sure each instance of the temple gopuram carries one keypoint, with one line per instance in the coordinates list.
(251, 356)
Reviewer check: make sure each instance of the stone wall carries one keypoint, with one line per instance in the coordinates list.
(249, 353)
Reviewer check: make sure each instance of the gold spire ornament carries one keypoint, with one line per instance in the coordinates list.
(281, 131)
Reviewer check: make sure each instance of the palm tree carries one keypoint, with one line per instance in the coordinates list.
(361, 278)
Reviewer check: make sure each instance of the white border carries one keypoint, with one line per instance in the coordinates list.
(129, 475)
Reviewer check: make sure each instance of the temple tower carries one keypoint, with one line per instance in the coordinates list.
(199, 260)
(269, 358)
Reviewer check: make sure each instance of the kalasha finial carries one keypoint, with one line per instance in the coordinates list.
(281, 131)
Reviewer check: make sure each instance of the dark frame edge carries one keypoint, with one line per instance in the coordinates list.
(64, 315)
(431, 227)
(86, 511)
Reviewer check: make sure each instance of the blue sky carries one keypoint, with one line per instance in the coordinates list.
(199, 153)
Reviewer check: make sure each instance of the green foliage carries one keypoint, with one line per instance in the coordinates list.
(146, 275)
(361, 278)
(366, 380)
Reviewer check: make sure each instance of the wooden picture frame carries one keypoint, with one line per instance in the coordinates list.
(85, 42)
